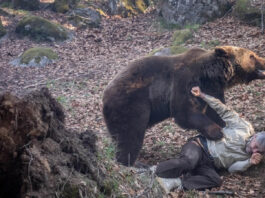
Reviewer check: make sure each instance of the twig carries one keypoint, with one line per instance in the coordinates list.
(68, 178)
(25, 145)
(221, 192)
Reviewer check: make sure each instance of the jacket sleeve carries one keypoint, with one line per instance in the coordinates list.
(230, 117)
(239, 166)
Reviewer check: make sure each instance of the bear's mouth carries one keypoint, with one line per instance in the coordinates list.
(261, 74)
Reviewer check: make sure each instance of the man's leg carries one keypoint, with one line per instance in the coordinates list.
(190, 157)
(203, 177)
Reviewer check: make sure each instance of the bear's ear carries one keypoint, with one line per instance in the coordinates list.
(221, 52)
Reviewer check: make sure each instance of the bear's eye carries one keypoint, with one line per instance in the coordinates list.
(251, 56)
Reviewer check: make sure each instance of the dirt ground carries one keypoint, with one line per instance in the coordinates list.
(94, 56)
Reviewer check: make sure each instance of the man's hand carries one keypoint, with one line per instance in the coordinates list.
(196, 91)
(255, 158)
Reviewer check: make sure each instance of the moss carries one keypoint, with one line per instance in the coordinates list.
(133, 7)
(110, 186)
(63, 6)
(141, 5)
(181, 36)
(2, 29)
(37, 53)
(70, 191)
(247, 13)
(41, 29)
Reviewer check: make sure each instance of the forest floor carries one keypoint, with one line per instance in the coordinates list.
(90, 59)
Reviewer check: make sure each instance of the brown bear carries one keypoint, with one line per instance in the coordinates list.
(154, 88)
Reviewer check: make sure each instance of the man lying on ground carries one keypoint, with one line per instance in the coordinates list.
(196, 166)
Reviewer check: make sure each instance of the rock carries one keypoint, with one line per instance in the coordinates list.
(63, 6)
(127, 8)
(37, 56)
(26, 4)
(41, 29)
(2, 29)
(85, 17)
(185, 12)
(247, 12)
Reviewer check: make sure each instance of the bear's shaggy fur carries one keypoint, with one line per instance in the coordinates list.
(154, 88)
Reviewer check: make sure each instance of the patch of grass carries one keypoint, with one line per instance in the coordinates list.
(247, 13)
(165, 25)
(171, 26)
(191, 194)
(108, 151)
(193, 27)
(70, 191)
(210, 44)
(62, 100)
(175, 50)
(181, 36)
(110, 185)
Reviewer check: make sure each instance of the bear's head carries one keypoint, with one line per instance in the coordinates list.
(243, 65)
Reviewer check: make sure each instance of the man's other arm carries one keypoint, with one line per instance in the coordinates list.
(240, 166)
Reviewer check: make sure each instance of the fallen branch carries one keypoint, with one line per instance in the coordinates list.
(221, 192)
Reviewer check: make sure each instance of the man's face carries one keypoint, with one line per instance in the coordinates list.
(253, 146)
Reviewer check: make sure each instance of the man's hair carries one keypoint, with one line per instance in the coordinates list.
(260, 138)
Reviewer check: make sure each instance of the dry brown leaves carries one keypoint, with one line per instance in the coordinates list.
(94, 56)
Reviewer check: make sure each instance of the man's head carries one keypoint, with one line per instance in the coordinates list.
(257, 143)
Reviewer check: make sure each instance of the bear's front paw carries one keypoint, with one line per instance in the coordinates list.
(213, 132)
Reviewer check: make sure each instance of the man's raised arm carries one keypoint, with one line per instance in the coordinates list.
(227, 114)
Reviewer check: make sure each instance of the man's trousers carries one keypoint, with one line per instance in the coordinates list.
(194, 165)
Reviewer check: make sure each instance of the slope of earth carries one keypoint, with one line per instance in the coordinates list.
(93, 57)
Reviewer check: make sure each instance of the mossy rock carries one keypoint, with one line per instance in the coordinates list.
(26, 4)
(85, 17)
(2, 30)
(181, 36)
(135, 6)
(127, 8)
(41, 29)
(37, 56)
(244, 11)
(63, 6)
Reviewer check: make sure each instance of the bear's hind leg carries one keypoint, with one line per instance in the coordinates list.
(128, 130)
